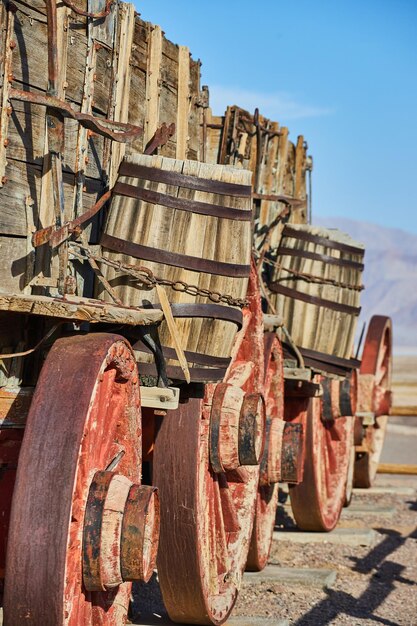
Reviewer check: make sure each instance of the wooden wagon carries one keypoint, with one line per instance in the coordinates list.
(156, 373)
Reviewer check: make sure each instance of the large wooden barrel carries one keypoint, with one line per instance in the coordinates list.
(190, 224)
(316, 279)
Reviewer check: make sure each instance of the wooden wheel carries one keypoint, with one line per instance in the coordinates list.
(267, 497)
(374, 397)
(206, 468)
(318, 500)
(78, 510)
(206, 520)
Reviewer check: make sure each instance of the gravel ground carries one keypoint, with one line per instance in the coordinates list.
(374, 585)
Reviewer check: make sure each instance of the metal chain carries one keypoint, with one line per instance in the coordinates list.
(146, 277)
(314, 279)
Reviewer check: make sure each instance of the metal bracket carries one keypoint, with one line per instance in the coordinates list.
(297, 373)
(367, 417)
(159, 397)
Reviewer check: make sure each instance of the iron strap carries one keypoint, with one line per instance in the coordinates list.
(290, 201)
(182, 204)
(275, 287)
(192, 357)
(315, 256)
(206, 311)
(322, 241)
(175, 259)
(337, 361)
(182, 180)
(198, 374)
(111, 129)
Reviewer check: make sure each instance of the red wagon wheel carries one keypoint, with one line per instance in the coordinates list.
(206, 520)
(318, 500)
(267, 497)
(374, 396)
(77, 507)
(208, 491)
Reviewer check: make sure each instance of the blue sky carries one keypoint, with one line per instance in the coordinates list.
(342, 73)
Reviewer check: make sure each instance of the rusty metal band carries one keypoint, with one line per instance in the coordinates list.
(207, 311)
(57, 236)
(345, 399)
(315, 256)
(182, 204)
(290, 201)
(110, 129)
(275, 287)
(182, 180)
(95, 16)
(337, 361)
(157, 255)
(192, 357)
(322, 241)
(93, 521)
(327, 413)
(198, 374)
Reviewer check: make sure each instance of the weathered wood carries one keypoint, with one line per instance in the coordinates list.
(299, 266)
(159, 398)
(14, 406)
(78, 309)
(120, 110)
(13, 264)
(182, 232)
(152, 83)
(396, 468)
(183, 101)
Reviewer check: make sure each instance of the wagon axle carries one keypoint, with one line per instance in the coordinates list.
(121, 531)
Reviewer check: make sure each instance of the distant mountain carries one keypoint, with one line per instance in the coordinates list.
(390, 275)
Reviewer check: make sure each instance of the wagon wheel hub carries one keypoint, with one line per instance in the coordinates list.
(121, 530)
(237, 428)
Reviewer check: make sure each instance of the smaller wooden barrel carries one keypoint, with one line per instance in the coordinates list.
(190, 223)
(316, 282)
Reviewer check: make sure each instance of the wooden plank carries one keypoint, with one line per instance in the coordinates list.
(6, 66)
(73, 308)
(14, 406)
(397, 468)
(159, 397)
(404, 411)
(24, 181)
(183, 108)
(122, 90)
(197, 108)
(13, 264)
(152, 83)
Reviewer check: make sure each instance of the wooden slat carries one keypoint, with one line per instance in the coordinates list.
(397, 468)
(122, 88)
(183, 101)
(73, 308)
(152, 83)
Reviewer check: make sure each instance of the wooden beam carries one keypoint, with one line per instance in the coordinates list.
(183, 111)
(404, 411)
(81, 309)
(397, 468)
(153, 91)
(14, 407)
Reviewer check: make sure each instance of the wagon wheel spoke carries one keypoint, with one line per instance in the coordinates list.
(220, 543)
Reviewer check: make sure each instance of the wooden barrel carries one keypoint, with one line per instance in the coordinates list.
(190, 224)
(316, 279)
